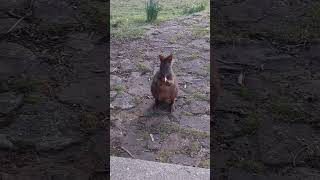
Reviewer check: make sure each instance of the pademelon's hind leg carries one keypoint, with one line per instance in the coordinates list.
(156, 103)
(172, 108)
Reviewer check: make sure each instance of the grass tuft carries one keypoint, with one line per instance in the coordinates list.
(89, 120)
(204, 164)
(194, 8)
(152, 10)
(251, 124)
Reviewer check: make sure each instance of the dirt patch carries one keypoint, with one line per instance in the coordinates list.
(266, 126)
(181, 137)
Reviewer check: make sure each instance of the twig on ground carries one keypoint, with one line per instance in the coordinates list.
(301, 150)
(127, 151)
(16, 24)
(21, 17)
(236, 63)
(11, 13)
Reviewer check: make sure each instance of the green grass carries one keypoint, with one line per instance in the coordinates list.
(302, 31)
(32, 98)
(192, 56)
(29, 85)
(25, 85)
(89, 120)
(286, 31)
(199, 31)
(200, 96)
(152, 10)
(204, 164)
(218, 137)
(96, 12)
(175, 38)
(163, 156)
(246, 94)
(285, 111)
(251, 166)
(194, 7)
(33, 89)
(195, 133)
(169, 128)
(251, 124)
(186, 113)
(119, 89)
(128, 18)
(143, 68)
(193, 148)
(247, 165)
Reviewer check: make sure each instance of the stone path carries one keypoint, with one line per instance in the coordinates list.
(52, 92)
(125, 169)
(268, 127)
(180, 138)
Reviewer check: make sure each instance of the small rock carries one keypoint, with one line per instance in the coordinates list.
(9, 102)
(201, 123)
(196, 66)
(199, 107)
(55, 143)
(4, 87)
(183, 160)
(54, 12)
(201, 43)
(276, 149)
(5, 143)
(14, 59)
(153, 145)
(80, 41)
(140, 90)
(115, 80)
(113, 94)
(173, 142)
(126, 65)
(231, 102)
(123, 101)
(90, 92)
(156, 32)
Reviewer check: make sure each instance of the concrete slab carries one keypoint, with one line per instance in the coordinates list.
(134, 169)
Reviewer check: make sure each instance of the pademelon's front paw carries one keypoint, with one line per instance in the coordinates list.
(172, 108)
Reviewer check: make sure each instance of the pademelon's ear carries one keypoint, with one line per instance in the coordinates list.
(161, 57)
(169, 58)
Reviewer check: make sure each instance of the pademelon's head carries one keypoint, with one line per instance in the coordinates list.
(166, 68)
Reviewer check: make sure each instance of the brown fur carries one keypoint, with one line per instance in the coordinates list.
(165, 91)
